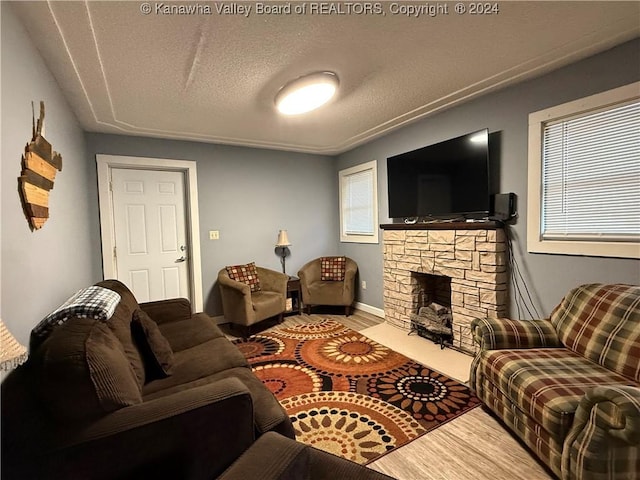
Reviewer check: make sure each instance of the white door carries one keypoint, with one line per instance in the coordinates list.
(150, 233)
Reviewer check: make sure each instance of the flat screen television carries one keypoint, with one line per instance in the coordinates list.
(448, 180)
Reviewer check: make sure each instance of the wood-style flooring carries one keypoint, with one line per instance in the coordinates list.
(474, 446)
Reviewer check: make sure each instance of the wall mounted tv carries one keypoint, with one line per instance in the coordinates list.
(448, 180)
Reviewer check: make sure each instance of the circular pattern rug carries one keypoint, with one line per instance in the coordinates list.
(286, 378)
(428, 394)
(348, 394)
(350, 425)
(319, 329)
(349, 354)
(259, 346)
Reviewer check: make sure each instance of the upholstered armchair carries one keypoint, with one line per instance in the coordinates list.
(569, 386)
(251, 294)
(328, 281)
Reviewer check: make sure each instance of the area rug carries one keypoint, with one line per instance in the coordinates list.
(349, 395)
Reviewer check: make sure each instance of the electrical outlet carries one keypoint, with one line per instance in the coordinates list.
(214, 235)
(364, 285)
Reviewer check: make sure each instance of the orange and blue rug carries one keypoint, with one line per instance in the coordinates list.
(349, 395)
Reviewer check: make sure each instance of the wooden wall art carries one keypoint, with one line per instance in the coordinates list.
(39, 166)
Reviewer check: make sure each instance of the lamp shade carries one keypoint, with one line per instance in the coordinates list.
(283, 239)
(12, 353)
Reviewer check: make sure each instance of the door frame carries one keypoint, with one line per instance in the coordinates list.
(105, 163)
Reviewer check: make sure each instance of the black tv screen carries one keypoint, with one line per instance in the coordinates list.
(446, 179)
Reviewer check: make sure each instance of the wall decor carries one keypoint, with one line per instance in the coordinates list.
(40, 164)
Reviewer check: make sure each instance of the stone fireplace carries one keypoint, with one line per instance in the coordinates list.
(459, 265)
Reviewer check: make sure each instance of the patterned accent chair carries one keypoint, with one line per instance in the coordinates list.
(569, 386)
(328, 281)
(249, 299)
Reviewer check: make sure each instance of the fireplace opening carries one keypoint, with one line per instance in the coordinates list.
(433, 318)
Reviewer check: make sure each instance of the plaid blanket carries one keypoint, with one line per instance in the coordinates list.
(91, 302)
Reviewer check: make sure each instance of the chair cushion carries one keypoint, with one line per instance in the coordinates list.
(246, 274)
(333, 268)
(546, 383)
(267, 304)
(154, 347)
(327, 293)
(602, 323)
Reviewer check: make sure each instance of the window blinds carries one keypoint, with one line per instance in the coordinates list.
(591, 176)
(358, 203)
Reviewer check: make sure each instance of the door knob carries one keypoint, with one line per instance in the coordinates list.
(181, 259)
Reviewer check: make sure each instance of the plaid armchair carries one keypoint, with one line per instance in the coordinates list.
(569, 386)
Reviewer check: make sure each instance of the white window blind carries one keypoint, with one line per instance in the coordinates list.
(358, 210)
(591, 176)
(359, 203)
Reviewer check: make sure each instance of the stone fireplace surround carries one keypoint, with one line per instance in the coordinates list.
(472, 254)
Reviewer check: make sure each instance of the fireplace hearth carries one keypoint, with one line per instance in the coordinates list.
(459, 266)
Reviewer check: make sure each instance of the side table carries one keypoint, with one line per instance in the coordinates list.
(294, 293)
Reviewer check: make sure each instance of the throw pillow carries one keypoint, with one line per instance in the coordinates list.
(84, 361)
(246, 274)
(154, 347)
(333, 268)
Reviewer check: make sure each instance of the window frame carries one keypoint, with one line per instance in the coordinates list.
(537, 120)
(342, 176)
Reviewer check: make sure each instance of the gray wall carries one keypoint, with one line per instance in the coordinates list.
(41, 269)
(248, 195)
(548, 276)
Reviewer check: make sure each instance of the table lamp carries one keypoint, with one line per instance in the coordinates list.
(282, 244)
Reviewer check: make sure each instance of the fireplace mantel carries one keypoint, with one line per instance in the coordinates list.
(484, 225)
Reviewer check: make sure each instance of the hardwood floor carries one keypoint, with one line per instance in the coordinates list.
(474, 446)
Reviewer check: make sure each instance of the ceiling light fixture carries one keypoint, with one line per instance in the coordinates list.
(306, 93)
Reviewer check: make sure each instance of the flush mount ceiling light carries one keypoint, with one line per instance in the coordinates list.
(306, 93)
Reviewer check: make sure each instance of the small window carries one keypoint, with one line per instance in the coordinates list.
(584, 176)
(359, 203)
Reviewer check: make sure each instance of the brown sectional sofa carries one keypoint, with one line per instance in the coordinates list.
(85, 405)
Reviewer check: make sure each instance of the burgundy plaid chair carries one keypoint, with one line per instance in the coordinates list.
(569, 386)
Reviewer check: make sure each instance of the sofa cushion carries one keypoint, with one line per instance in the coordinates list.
(333, 269)
(246, 274)
(269, 414)
(198, 362)
(84, 361)
(184, 334)
(154, 347)
(602, 323)
(546, 383)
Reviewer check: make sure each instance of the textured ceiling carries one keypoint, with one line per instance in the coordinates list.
(212, 77)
